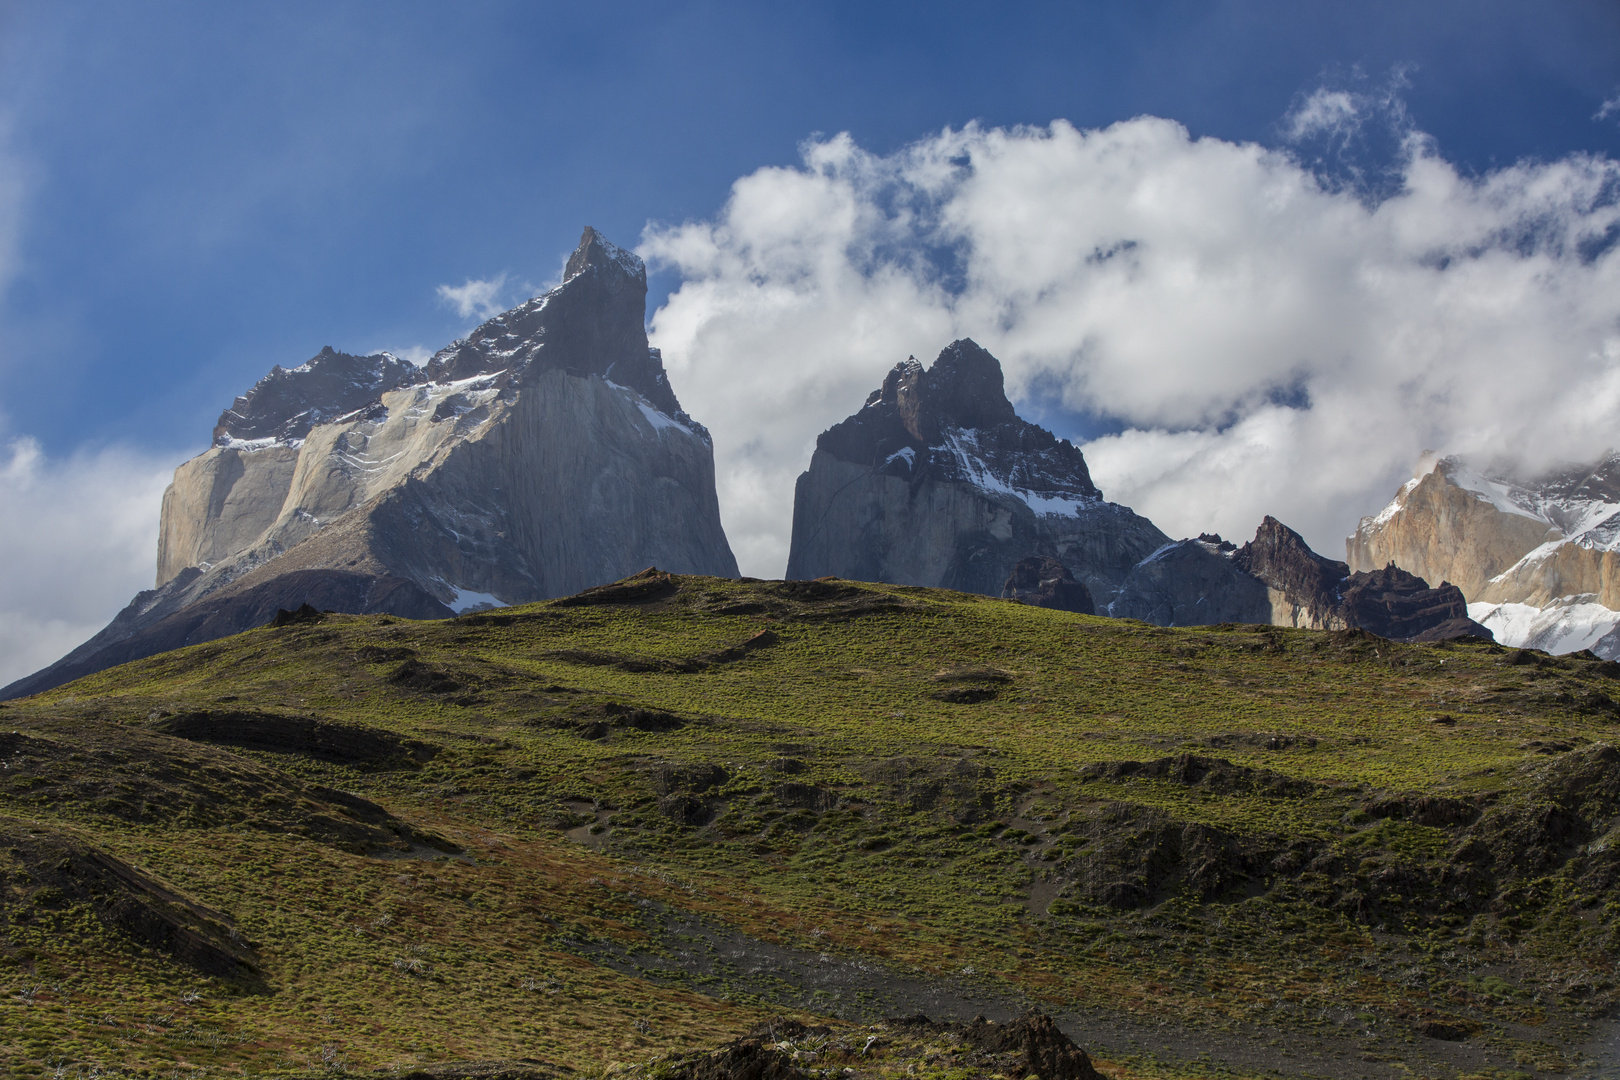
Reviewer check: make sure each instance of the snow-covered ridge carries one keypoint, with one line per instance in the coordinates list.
(628, 261)
(248, 446)
(1394, 506)
(1568, 625)
(1568, 502)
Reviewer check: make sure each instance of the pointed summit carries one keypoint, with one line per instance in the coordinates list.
(596, 252)
(938, 481)
(593, 323)
(954, 420)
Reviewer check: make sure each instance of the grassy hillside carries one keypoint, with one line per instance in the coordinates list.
(635, 823)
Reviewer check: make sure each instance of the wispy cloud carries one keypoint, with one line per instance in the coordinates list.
(78, 540)
(1178, 287)
(1323, 112)
(475, 296)
(1610, 107)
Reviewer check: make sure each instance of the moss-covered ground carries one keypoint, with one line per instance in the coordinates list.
(365, 842)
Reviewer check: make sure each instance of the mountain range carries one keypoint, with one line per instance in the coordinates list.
(547, 452)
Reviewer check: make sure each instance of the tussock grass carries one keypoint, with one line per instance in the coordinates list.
(580, 772)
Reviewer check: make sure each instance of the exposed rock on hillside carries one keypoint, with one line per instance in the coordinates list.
(937, 481)
(1192, 583)
(1312, 591)
(544, 454)
(1042, 581)
(1538, 559)
(1276, 578)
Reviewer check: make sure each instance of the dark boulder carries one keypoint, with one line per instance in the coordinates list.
(1043, 581)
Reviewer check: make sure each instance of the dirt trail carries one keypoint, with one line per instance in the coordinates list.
(717, 961)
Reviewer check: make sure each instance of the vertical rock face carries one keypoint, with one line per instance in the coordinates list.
(543, 454)
(1303, 586)
(1309, 590)
(1537, 558)
(937, 481)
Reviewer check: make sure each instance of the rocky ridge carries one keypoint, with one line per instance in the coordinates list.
(1538, 559)
(543, 454)
(937, 481)
(1276, 578)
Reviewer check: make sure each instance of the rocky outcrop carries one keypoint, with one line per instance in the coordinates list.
(1538, 559)
(1042, 581)
(937, 481)
(1303, 586)
(1309, 590)
(1192, 583)
(1276, 578)
(543, 454)
(1394, 604)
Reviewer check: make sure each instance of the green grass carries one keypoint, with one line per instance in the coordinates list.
(819, 794)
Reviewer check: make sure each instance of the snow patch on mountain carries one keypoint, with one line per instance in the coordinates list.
(1570, 624)
(466, 600)
(963, 446)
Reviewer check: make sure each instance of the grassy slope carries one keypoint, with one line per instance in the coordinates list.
(1341, 837)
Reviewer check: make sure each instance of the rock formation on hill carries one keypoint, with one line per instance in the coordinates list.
(1192, 583)
(543, 454)
(1042, 581)
(937, 481)
(1276, 578)
(1538, 559)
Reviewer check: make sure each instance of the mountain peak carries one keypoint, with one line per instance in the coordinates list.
(596, 251)
(953, 420)
(966, 385)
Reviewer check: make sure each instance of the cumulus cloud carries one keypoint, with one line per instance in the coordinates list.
(1264, 338)
(79, 536)
(475, 296)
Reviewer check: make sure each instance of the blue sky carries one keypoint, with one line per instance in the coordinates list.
(209, 189)
(1354, 231)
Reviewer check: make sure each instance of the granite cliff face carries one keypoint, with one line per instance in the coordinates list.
(1538, 559)
(937, 481)
(544, 454)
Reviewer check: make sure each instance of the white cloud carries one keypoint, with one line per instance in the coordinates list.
(475, 296)
(78, 539)
(412, 354)
(1323, 111)
(1610, 107)
(1271, 342)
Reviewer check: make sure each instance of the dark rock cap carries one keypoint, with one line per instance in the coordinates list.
(1043, 581)
(953, 421)
(288, 402)
(594, 323)
(595, 252)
